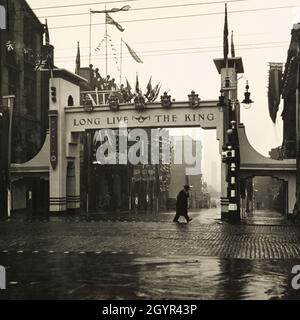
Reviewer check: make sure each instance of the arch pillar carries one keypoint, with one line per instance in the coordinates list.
(64, 169)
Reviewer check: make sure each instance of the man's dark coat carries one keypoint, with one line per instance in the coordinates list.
(182, 203)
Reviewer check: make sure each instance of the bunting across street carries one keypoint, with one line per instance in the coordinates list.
(108, 43)
(100, 44)
(108, 20)
(114, 52)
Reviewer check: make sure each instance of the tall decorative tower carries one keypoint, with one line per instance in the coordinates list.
(229, 68)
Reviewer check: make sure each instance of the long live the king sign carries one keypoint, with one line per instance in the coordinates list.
(206, 117)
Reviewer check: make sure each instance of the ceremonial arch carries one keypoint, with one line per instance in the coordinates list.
(68, 122)
(58, 163)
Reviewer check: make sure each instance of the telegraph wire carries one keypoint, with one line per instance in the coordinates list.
(175, 40)
(150, 8)
(178, 17)
(180, 53)
(197, 48)
(80, 5)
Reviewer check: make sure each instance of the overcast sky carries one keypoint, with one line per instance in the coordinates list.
(179, 52)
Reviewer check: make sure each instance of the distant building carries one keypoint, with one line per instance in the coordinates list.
(179, 177)
(289, 89)
(21, 45)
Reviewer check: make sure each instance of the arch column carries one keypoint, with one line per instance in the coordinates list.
(64, 169)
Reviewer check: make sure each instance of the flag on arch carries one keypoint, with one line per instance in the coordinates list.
(133, 53)
(137, 85)
(232, 46)
(110, 20)
(149, 88)
(124, 8)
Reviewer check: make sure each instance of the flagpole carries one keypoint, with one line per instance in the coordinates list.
(105, 43)
(10, 106)
(90, 39)
(124, 8)
(226, 40)
(121, 57)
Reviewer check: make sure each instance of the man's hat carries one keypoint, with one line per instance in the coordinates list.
(186, 187)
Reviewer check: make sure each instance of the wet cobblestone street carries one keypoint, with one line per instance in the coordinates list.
(206, 259)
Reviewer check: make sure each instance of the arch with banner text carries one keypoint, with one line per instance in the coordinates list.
(73, 113)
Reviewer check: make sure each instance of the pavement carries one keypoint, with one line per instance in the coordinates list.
(151, 259)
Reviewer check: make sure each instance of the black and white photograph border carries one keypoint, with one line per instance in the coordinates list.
(149, 150)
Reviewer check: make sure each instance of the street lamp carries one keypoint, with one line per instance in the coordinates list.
(221, 102)
(9, 105)
(247, 102)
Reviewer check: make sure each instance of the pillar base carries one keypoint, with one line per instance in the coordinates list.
(57, 204)
(224, 207)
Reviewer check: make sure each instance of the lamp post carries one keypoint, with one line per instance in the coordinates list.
(247, 102)
(6, 116)
(3, 162)
(10, 105)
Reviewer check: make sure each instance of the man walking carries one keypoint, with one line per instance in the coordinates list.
(182, 204)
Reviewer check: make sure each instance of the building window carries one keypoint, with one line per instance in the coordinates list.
(70, 101)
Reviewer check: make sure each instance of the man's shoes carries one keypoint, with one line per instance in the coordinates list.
(176, 221)
(190, 219)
